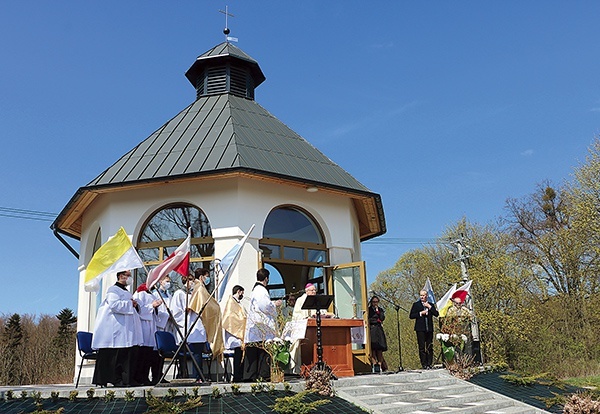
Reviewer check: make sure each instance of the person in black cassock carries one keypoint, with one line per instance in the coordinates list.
(117, 335)
(378, 341)
(423, 312)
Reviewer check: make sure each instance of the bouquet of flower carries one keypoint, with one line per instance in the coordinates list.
(450, 343)
(452, 339)
(279, 351)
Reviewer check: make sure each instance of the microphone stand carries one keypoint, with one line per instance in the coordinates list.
(397, 307)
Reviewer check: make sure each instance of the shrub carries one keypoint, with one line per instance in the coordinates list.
(581, 403)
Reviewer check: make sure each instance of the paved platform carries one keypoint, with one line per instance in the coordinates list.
(418, 392)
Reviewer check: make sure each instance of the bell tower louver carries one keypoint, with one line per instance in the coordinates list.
(225, 69)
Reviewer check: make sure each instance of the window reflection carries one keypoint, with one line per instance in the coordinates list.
(167, 229)
(291, 224)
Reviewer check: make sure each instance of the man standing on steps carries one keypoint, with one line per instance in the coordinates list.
(423, 312)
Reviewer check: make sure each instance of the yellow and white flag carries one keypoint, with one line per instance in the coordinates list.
(444, 303)
(116, 255)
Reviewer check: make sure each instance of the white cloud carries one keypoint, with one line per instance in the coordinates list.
(527, 153)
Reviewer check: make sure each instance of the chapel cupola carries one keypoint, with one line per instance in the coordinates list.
(225, 69)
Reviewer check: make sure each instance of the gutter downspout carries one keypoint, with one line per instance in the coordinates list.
(64, 242)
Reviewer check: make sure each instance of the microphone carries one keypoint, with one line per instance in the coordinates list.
(335, 311)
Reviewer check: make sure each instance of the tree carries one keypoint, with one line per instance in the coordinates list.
(584, 194)
(12, 341)
(66, 333)
(545, 237)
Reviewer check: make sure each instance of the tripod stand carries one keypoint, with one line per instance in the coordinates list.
(397, 308)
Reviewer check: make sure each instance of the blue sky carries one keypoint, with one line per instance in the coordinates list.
(446, 109)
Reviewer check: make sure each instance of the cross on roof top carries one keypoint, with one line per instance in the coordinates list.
(226, 30)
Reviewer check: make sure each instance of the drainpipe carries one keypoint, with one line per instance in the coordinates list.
(64, 242)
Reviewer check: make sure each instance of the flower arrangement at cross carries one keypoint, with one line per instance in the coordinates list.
(277, 347)
(279, 350)
(453, 337)
(451, 344)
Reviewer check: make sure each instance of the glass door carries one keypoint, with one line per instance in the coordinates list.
(348, 285)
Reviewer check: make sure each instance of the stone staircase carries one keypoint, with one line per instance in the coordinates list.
(425, 392)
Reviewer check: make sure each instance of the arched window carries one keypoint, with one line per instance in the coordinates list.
(294, 246)
(291, 236)
(166, 229)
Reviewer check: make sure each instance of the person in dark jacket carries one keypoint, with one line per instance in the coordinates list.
(423, 312)
(378, 340)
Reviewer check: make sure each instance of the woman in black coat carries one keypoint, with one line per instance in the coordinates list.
(378, 341)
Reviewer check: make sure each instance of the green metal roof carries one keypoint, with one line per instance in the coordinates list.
(224, 132)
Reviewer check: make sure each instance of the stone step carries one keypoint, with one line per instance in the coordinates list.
(384, 396)
(425, 392)
(392, 388)
(403, 377)
(473, 403)
(482, 406)
(514, 409)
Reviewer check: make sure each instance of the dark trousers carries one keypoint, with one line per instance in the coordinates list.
(115, 366)
(148, 360)
(238, 365)
(143, 364)
(257, 364)
(156, 367)
(425, 341)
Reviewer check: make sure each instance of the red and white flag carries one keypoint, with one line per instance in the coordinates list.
(178, 261)
(463, 291)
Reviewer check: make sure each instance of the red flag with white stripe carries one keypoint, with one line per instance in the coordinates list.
(178, 261)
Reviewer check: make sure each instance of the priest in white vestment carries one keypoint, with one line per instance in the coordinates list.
(297, 315)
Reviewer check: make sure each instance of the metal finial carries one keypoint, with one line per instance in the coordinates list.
(226, 30)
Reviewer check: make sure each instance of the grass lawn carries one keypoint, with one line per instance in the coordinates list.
(592, 382)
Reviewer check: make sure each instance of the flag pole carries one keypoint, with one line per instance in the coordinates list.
(185, 337)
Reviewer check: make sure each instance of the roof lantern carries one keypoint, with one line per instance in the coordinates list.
(225, 69)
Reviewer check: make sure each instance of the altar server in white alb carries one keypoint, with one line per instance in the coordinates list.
(147, 355)
(187, 321)
(261, 325)
(117, 335)
(161, 291)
